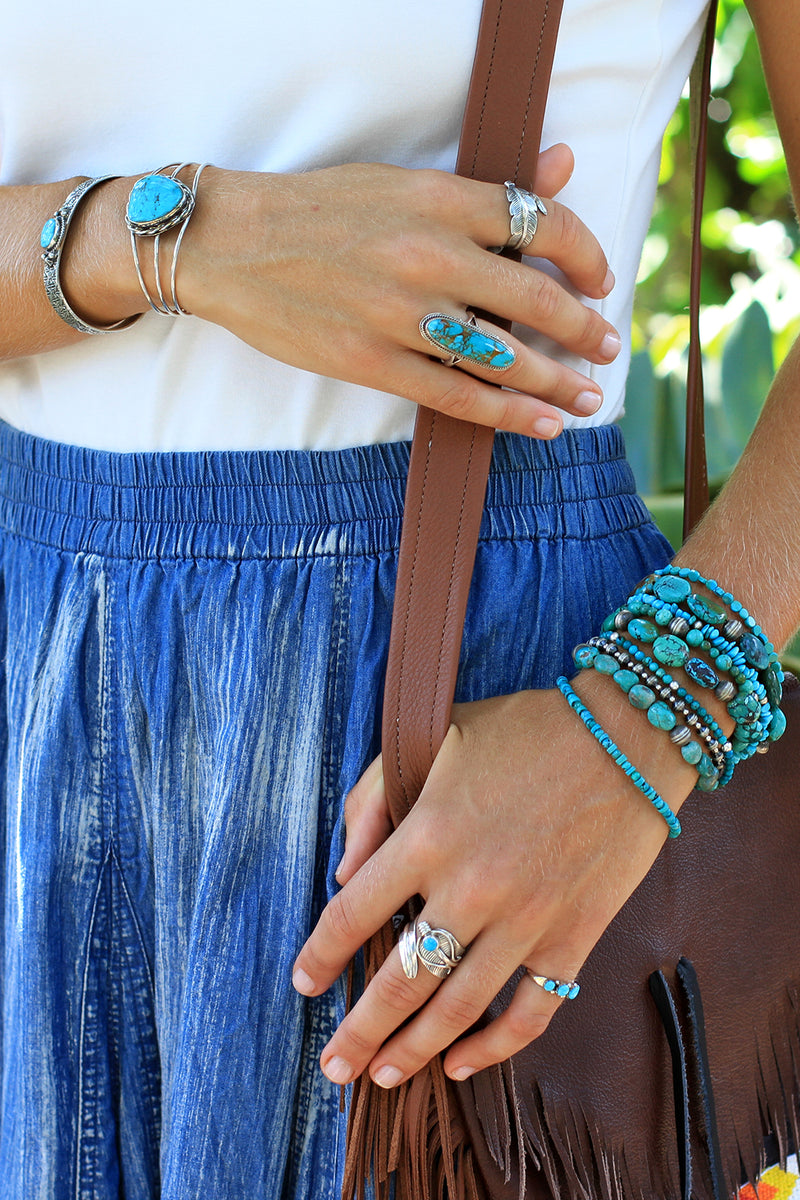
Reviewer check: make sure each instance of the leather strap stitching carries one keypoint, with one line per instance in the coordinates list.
(407, 615)
(530, 92)
(453, 576)
(486, 92)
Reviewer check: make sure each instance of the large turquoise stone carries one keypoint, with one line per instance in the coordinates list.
(465, 341)
(583, 655)
(772, 682)
(705, 767)
(755, 651)
(777, 725)
(672, 588)
(605, 664)
(642, 630)
(701, 672)
(670, 650)
(692, 753)
(661, 715)
(641, 696)
(626, 679)
(573, 991)
(153, 198)
(707, 610)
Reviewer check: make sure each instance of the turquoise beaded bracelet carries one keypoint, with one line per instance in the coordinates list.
(611, 748)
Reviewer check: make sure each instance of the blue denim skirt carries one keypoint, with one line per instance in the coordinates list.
(193, 648)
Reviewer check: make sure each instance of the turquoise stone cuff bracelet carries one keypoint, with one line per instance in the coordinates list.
(157, 203)
(52, 241)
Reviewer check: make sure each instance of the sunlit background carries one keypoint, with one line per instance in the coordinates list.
(751, 281)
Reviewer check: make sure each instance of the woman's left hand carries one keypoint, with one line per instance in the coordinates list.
(524, 843)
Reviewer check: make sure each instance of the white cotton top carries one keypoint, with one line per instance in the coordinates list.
(287, 87)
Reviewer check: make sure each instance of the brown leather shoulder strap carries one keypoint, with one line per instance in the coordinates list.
(450, 459)
(695, 485)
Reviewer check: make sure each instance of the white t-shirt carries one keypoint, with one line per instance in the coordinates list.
(282, 87)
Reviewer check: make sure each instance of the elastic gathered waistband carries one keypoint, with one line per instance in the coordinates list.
(267, 504)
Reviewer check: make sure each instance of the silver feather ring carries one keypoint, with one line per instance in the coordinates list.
(437, 949)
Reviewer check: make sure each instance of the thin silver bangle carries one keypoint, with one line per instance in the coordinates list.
(52, 240)
(180, 212)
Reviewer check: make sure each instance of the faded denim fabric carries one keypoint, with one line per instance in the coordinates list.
(193, 652)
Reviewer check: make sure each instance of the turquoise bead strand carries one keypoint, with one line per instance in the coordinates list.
(611, 748)
(715, 765)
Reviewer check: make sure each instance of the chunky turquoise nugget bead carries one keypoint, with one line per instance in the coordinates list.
(583, 656)
(642, 630)
(672, 588)
(662, 716)
(625, 679)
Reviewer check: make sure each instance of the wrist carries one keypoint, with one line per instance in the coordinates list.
(98, 277)
(649, 749)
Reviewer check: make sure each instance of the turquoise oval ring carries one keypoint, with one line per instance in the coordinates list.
(465, 340)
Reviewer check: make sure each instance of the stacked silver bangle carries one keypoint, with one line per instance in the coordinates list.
(158, 203)
(52, 240)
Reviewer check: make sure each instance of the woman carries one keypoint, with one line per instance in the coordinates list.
(200, 521)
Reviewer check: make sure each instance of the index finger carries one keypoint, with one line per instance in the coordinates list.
(375, 893)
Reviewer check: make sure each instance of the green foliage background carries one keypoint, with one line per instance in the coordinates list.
(750, 287)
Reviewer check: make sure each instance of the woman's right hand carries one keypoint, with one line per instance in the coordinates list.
(333, 270)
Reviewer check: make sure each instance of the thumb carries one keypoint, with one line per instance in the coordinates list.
(367, 821)
(554, 169)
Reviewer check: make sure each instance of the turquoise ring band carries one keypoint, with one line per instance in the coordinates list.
(563, 989)
(464, 340)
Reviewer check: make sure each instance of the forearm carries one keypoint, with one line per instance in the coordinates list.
(750, 539)
(97, 273)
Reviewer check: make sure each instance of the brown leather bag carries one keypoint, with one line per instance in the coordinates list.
(683, 1052)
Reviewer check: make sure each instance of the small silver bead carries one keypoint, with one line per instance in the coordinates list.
(762, 749)
(674, 685)
(733, 629)
(678, 626)
(622, 618)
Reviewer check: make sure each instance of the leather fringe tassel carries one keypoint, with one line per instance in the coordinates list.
(411, 1138)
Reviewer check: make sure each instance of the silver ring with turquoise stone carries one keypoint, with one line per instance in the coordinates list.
(464, 340)
(52, 241)
(438, 950)
(563, 989)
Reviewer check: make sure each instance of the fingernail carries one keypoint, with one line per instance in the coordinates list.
(546, 427)
(611, 345)
(463, 1072)
(388, 1077)
(587, 403)
(341, 864)
(303, 983)
(338, 1071)
(608, 282)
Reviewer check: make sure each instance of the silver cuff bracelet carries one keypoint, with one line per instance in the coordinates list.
(52, 240)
